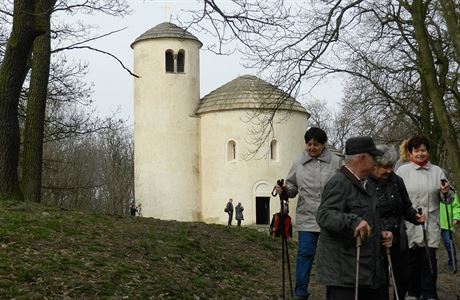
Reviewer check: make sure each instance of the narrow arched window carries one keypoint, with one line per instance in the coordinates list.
(274, 150)
(181, 61)
(169, 61)
(231, 150)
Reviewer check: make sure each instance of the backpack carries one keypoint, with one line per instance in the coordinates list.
(275, 228)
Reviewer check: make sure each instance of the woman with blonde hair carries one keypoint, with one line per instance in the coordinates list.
(404, 155)
(427, 186)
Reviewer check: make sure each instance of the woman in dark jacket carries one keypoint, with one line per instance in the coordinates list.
(239, 213)
(395, 208)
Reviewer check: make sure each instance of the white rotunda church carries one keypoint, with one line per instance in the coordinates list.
(190, 153)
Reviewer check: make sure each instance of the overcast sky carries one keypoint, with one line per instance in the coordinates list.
(114, 86)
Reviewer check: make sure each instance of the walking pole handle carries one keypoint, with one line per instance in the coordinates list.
(419, 211)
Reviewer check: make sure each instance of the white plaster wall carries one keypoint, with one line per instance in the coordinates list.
(241, 179)
(166, 134)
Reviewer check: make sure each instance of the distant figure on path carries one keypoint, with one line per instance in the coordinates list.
(239, 213)
(229, 210)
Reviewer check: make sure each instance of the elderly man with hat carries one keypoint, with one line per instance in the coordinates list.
(348, 212)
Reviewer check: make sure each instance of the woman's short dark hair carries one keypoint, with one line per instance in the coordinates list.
(316, 133)
(416, 141)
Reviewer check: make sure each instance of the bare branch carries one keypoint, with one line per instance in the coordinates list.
(106, 53)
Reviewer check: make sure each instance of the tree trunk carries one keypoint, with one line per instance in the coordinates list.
(428, 72)
(13, 71)
(453, 24)
(36, 106)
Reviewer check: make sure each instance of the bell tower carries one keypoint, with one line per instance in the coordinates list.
(166, 129)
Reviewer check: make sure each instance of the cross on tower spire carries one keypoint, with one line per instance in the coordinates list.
(165, 7)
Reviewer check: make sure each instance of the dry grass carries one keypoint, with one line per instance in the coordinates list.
(50, 253)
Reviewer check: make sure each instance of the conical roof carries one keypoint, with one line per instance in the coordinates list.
(166, 30)
(248, 92)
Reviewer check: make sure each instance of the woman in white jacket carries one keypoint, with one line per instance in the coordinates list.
(308, 175)
(423, 181)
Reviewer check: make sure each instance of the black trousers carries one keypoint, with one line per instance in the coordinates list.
(421, 281)
(344, 293)
(230, 218)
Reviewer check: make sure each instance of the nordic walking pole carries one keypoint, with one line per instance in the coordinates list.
(281, 220)
(284, 245)
(288, 266)
(451, 239)
(359, 242)
(284, 201)
(392, 274)
(425, 240)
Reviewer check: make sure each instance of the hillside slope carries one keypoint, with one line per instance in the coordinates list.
(52, 253)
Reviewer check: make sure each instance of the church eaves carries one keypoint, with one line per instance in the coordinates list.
(248, 92)
(166, 30)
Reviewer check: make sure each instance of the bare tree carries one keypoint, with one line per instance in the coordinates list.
(33, 19)
(93, 171)
(118, 172)
(451, 12)
(13, 71)
(36, 106)
(295, 42)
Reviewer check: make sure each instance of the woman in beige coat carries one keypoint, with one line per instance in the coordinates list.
(423, 182)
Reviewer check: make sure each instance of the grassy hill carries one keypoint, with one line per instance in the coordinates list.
(46, 252)
(50, 253)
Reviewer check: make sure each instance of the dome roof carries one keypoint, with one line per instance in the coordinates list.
(166, 30)
(248, 92)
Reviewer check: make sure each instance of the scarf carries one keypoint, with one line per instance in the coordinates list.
(421, 163)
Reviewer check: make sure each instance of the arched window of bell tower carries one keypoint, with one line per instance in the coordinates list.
(231, 150)
(181, 61)
(274, 150)
(169, 61)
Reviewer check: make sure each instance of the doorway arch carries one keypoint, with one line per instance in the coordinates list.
(261, 195)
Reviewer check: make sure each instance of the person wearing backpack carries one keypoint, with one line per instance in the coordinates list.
(275, 229)
(229, 210)
(308, 175)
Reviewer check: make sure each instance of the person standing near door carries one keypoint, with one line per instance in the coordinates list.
(308, 175)
(229, 210)
(239, 213)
